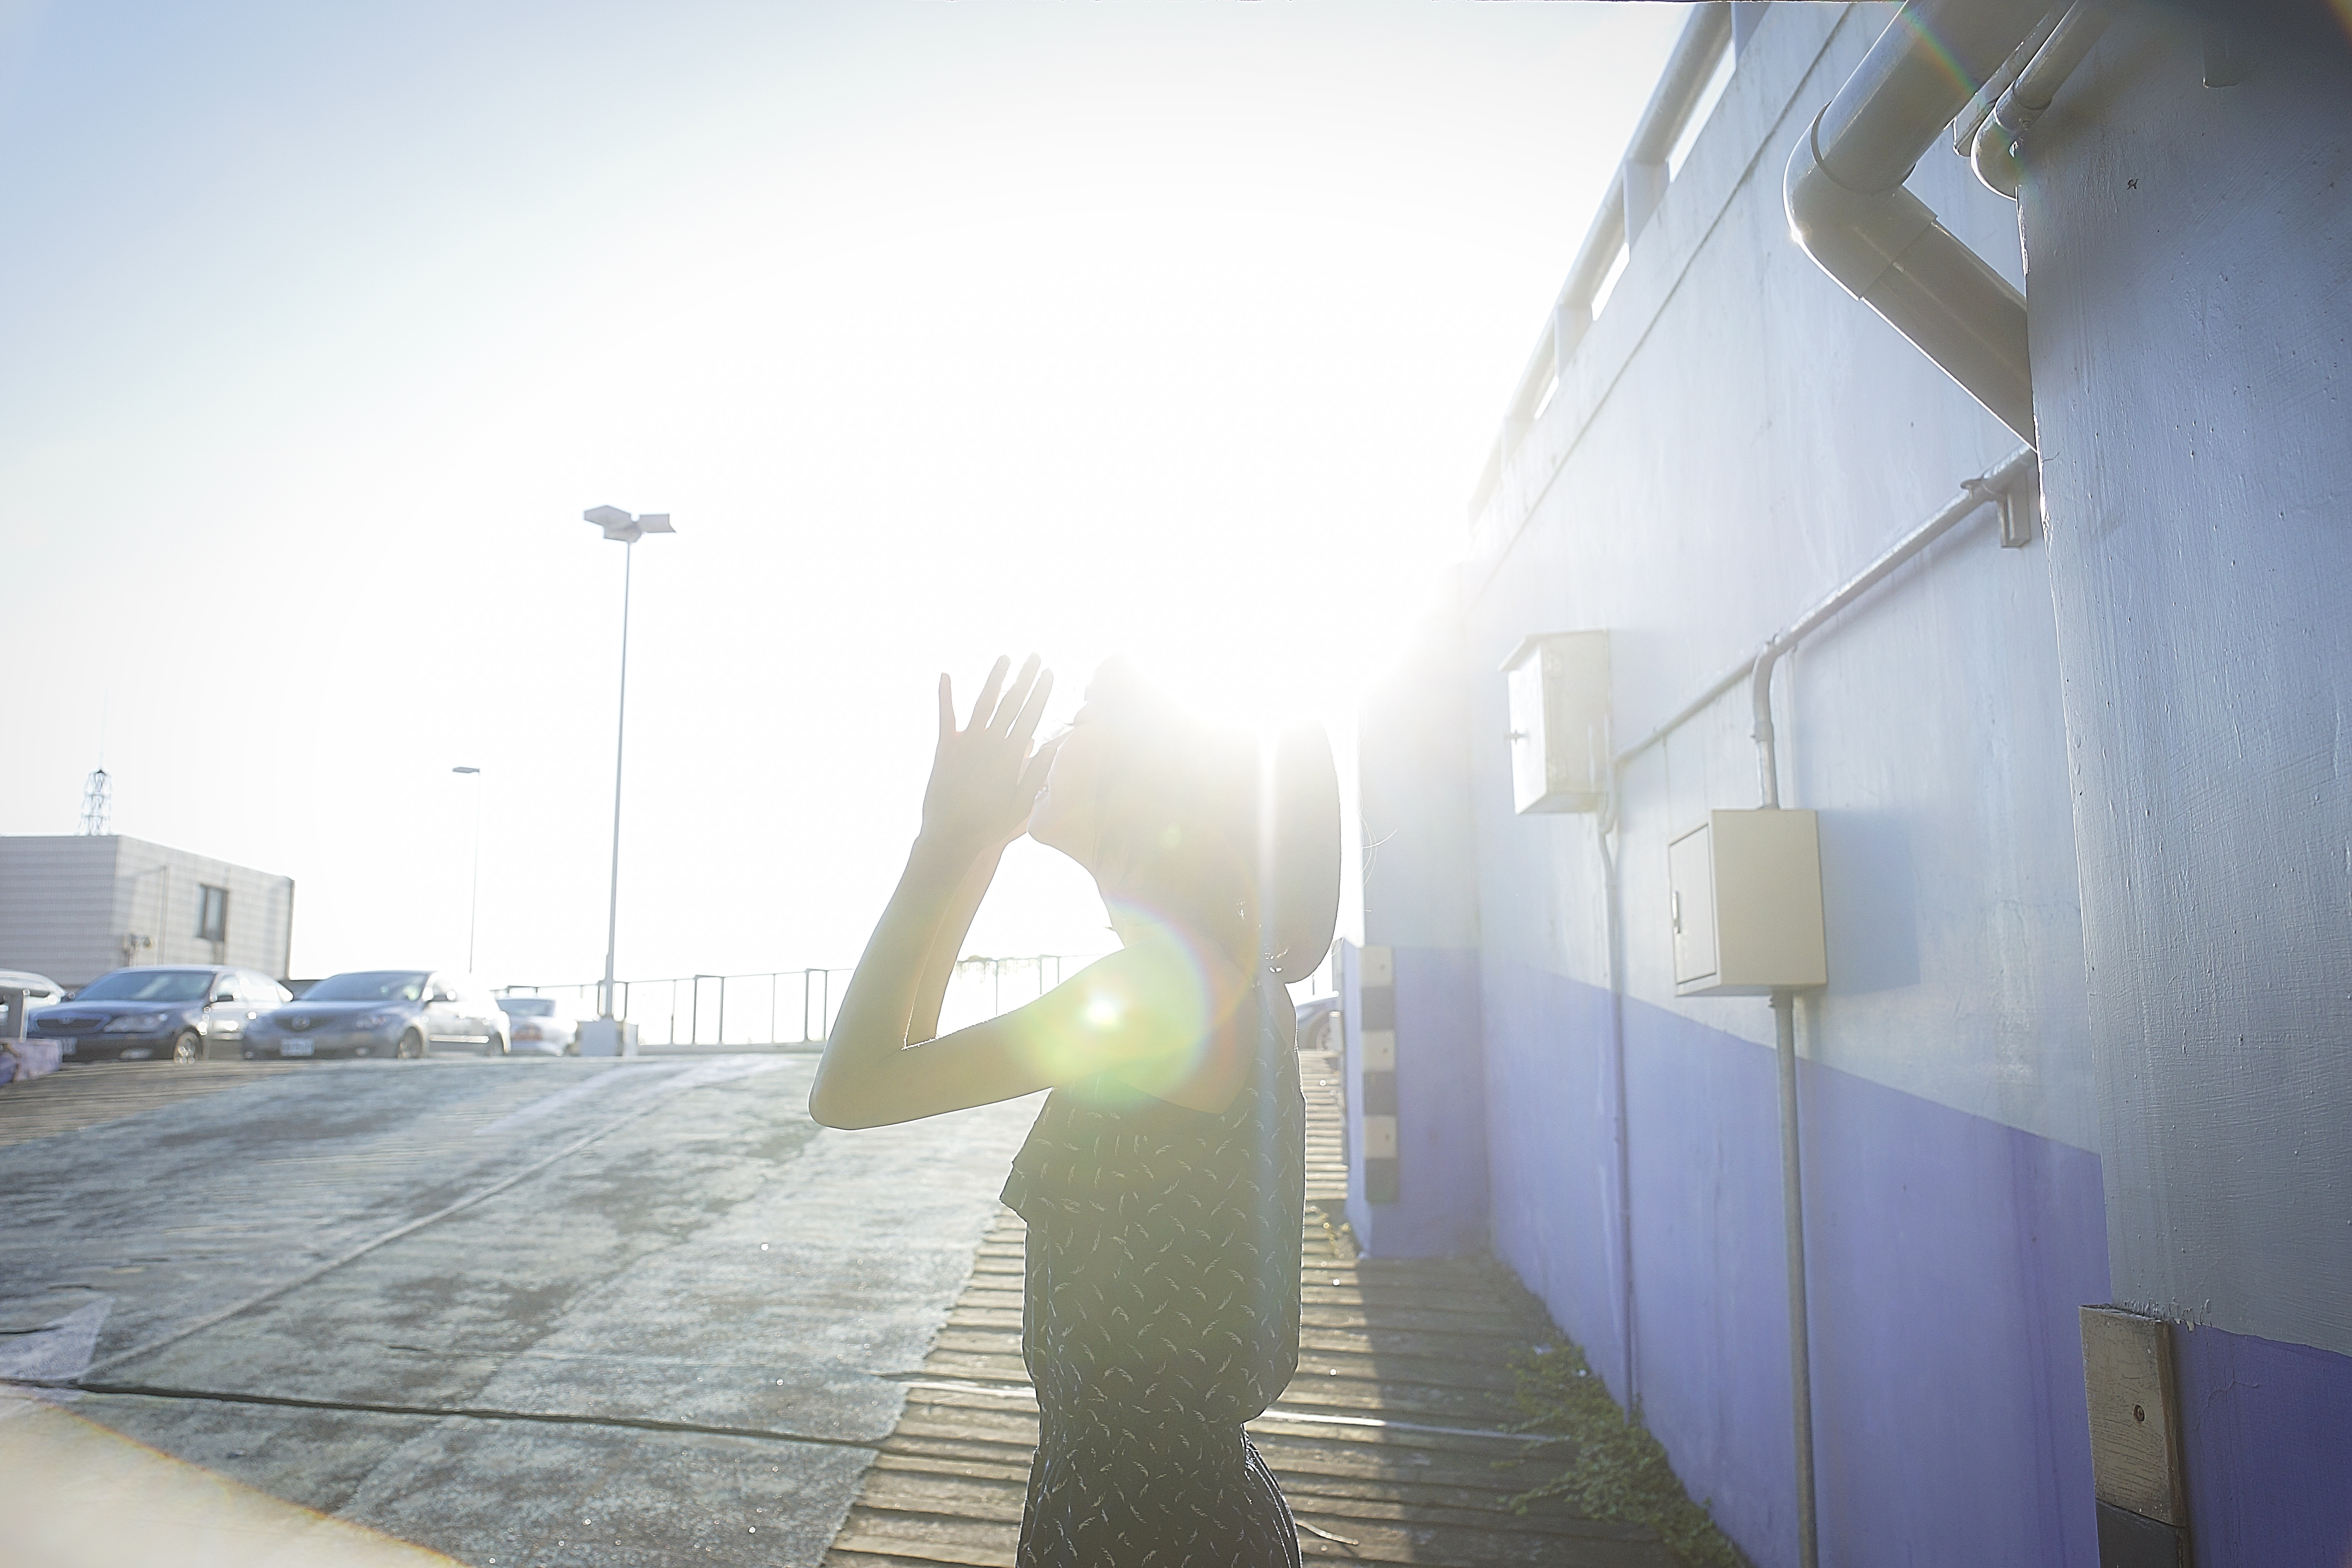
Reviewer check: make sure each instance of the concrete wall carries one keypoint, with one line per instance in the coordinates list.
(2192, 348)
(1421, 909)
(57, 902)
(67, 901)
(1733, 438)
(2085, 815)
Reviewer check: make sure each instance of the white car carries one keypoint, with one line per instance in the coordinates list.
(535, 1024)
(39, 990)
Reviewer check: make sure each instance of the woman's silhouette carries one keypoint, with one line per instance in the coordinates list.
(1163, 1182)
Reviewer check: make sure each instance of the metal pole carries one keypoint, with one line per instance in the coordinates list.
(474, 898)
(620, 734)
(1792, 1203)
(1613, 910)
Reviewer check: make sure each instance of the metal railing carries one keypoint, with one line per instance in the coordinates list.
(1679, 103)
(788, 1008)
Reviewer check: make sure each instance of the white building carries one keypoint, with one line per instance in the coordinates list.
(73, 907)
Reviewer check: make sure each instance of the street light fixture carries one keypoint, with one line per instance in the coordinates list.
(618, 524)
(474, 898)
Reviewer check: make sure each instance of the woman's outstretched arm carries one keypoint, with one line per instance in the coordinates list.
(946, 943)
(983, 780)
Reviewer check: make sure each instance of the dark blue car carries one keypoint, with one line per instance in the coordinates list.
(173, 1012)
(403, 1012)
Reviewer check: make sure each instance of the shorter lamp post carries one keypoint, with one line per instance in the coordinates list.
(473, 897)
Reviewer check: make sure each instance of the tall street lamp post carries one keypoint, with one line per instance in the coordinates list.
(618, 524)
(473, 897)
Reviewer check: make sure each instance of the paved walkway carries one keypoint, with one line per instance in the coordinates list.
(524, 1314)
(1387, 1443)
(94, 1092)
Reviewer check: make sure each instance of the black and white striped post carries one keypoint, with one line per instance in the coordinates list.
(1375, 1074)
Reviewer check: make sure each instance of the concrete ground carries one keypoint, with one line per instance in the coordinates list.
(519, 1313)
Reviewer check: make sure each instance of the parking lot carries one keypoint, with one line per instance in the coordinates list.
(515, 1311)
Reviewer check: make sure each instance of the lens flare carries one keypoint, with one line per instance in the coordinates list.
(1153, 1023)
(1961, 77)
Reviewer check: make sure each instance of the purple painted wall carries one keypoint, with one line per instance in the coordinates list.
(1949, 1256)
(1440, 1207)
(2266, 1436)
(1547, 1131)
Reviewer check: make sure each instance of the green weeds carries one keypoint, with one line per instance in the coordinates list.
(1616, 1470)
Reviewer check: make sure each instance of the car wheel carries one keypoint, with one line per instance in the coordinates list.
(412, 1045)
(499, 1047)
(187, 1045)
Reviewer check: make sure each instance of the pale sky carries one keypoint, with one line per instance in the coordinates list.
(941, 330)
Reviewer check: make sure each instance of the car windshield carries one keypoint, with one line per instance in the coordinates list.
(369, 986)
(150, 985)
(527, 1006)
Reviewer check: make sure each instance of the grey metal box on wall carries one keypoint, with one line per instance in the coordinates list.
(1560, 721)
(1744, 904)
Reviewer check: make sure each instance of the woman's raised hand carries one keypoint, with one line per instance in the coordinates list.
(984, 777)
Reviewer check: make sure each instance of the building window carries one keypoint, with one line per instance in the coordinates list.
(212, 914)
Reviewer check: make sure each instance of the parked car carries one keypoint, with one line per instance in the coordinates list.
(382, 1013)
(39, 990)
(171, 1010)
(537, 1024)
(1319, 1024)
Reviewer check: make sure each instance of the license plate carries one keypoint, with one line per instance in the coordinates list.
(295, 1047)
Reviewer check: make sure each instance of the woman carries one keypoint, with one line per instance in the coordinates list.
(1163, 1182)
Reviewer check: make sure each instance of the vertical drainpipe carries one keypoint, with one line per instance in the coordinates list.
(1848, 209)
(1793, 1168)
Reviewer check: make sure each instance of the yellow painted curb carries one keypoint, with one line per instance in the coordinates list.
(75, 1495)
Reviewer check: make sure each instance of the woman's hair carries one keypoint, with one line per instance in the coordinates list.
(1203, 823)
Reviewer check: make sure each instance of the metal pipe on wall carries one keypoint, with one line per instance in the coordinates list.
(1986, 490)
(1605, 823)
(1993, 150)
(1801, 1333)
(1992, 488)
(1988, 97)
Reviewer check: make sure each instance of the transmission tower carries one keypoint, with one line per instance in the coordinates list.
(97, 802)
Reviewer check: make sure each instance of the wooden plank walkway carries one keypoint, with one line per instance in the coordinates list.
(1387, 1443)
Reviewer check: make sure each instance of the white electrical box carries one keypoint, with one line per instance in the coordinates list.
(1560, 721)
(1745, 897)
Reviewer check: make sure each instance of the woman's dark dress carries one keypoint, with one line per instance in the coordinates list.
(1161, 1312)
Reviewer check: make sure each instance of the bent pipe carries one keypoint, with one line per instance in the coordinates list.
(1991, 487)
(1993, 150)
(1848, 209)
